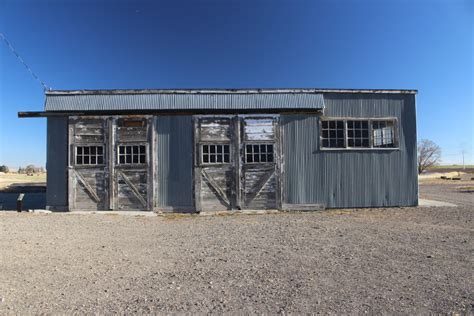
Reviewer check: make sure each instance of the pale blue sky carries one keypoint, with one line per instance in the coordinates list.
(424, 45)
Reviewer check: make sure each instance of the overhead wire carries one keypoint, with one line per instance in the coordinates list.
(10, 46)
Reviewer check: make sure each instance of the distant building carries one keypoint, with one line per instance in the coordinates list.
(204, 150)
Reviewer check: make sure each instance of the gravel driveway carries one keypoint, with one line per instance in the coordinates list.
(404, 260)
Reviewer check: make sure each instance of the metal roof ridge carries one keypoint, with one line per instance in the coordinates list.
(227, 91)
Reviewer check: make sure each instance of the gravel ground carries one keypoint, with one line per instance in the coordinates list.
(404, 260)
(457, 192)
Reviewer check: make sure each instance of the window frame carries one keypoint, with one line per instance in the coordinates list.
(245, 153)
(117, 155)
(371, 136)
(74, 158)
(217, 143)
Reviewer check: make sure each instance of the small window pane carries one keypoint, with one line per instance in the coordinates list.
(79, 150)
(100, 159)
(215, 153)
(79, 160)
(383, 134)
(86, 160)
(358, 134)
(132, 154)
(332, 134)
(93, 160)
(259, 153)
(86, 150)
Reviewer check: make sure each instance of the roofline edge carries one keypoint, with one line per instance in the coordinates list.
(225, 91)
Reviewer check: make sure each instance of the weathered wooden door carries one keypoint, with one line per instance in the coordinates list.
(236, 162)
(132, 164)
(215, 166)
(88, 173)
(259, 175)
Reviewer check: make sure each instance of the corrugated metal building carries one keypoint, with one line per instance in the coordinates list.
(202, 150)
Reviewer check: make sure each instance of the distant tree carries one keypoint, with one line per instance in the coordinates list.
(429, 154)
(4, 168)
(30, 169)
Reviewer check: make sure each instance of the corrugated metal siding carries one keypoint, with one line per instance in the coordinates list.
(56, 163)
(351, 178)
(174, 162)
(92, 102)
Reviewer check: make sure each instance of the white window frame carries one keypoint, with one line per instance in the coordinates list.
(260, 153)
(371, 136)
(118, 163)
(89, 145)
(201, 153)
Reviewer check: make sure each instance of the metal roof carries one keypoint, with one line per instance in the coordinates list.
(195, 99)
(182, 101)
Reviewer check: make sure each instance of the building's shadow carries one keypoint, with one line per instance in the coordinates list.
(34, 198)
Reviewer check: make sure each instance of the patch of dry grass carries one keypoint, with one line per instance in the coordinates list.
(7, 179)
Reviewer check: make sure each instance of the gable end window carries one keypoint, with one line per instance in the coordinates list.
(355, 133)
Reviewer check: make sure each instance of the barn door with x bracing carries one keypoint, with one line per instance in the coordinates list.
(88, 173)
(259, 163)
(215, 170)
(236, 162)
(132, 164)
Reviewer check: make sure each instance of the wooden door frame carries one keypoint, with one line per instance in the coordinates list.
(237, 156)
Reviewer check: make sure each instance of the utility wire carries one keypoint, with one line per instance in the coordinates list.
(45, 87)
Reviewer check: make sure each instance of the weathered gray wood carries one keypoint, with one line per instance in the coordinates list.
(133, 188)
(260, 181)
(238, 163)
(88, 188)
(197, 168)
(210, 181)
(151, 138)
(110, 158)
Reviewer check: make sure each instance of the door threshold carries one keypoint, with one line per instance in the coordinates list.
(126, 213)
(235, 212)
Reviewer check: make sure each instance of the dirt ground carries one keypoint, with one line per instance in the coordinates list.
(400, 260)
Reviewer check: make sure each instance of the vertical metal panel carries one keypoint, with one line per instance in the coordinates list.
(351, 178)
(174, 143)
(56, 163)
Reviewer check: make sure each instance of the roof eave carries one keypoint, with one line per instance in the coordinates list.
(225, 91)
